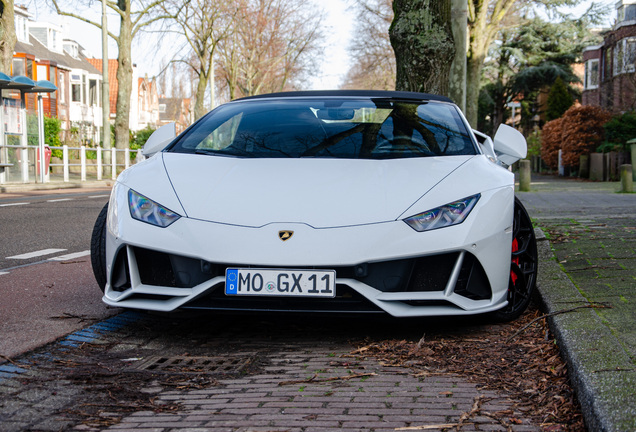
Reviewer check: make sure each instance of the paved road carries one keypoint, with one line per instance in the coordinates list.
(46, 281)
(37, 226)
(560, 198)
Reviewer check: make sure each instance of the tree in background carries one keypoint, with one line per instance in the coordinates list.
(8, 37)
(620, 129)
(132, 19)
(559, 100)
(272, 47)
(526, 61)
(203, 24)
(486, 18)
(373, 60)
(422, 40)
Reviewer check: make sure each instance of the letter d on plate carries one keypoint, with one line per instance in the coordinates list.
(231, 281)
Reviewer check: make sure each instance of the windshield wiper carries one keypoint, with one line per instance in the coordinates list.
(210, 152)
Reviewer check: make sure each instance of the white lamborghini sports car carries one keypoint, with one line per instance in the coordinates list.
(330, 201)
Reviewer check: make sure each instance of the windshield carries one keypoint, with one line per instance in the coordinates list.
(333, 128)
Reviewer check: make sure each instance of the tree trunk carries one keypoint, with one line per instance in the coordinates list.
(199, 98)
(422, 40)
(457, 80)
(473, 80)
(124, 81)
(8, 37)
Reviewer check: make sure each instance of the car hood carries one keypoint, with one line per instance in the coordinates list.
(322, 193)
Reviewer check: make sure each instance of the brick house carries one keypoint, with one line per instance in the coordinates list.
(610, 68)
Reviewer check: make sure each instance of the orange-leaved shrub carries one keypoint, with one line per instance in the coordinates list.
(551, 142)
(579, 131)
(582, 132)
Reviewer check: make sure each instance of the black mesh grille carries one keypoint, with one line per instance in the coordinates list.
(432, 273)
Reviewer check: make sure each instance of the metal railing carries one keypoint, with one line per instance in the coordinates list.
(19, 164)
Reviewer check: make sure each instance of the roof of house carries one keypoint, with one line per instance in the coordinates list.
(64, 60)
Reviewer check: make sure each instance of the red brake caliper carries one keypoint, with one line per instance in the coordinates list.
(515, 248)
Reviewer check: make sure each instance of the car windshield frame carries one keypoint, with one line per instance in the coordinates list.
(329, 127)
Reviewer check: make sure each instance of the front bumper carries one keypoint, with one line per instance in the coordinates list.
(383, 267)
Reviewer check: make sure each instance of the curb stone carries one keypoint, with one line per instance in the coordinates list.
(601, 372)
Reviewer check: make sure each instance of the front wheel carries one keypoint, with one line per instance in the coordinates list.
(523, 266)
(98, 248)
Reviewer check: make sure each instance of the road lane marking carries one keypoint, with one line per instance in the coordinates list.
(60, 199)
(98, 196)
(13, 204)
(36, 254)
(71, 256)
(3, 273)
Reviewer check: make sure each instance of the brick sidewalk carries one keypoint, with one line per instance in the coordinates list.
(386, 399)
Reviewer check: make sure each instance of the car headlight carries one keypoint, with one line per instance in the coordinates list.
(444, 216)
(146, 210)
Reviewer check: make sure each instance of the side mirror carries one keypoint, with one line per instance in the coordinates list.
(510, 145)
(159, 139)
(486, 145)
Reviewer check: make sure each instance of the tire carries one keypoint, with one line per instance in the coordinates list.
(523, 266)
(98, 248)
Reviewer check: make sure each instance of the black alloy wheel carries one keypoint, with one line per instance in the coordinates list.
(523, 265)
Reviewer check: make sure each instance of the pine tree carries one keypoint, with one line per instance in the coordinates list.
(559, 100)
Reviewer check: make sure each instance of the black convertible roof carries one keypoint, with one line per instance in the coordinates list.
(353, 93)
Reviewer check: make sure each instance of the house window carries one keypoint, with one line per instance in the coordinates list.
(92, 92)
(84, 88)
(18, 67)
(626, 13)
(42, 72)
(61, 89)
(162, 108)
(625, 56)
(76, 92)
(53, 79)
(629, 61)
(29, 68)
(21, 29)
(591, 74)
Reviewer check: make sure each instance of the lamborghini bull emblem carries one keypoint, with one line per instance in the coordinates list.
(285, 235)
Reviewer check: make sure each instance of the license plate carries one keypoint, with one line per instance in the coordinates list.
(289, 283)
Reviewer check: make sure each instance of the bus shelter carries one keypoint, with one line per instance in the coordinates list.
(13, 122)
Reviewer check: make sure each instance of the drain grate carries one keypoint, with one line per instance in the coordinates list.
(187, 364)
